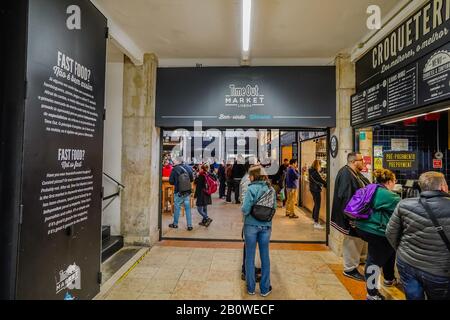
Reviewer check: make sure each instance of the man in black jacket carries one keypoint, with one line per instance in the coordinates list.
(423, 258)
(222, 179)
(238, 172)
(348, 180)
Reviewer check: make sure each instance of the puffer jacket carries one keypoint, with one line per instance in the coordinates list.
(411, 232)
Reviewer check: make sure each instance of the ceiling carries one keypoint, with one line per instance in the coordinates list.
(211, 29)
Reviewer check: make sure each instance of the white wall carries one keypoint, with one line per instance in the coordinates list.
(112, 150)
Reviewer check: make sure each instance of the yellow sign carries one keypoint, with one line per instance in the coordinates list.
(400, 160)
(378, 163)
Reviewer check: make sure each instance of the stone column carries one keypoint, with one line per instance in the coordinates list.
(140, 154)
(345, 87)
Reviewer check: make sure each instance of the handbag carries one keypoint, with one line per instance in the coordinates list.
(264, 209)
(436, 223)
(282, 195)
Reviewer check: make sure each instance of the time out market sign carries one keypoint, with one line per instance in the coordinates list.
(244, 97)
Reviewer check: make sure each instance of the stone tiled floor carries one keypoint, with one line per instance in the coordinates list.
(227, 225)
(213, 272)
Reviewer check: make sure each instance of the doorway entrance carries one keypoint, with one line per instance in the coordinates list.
(267, 147)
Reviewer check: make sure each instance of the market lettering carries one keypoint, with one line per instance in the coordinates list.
(430, 17)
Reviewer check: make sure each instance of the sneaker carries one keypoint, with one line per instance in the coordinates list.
(173, 226)
(203, 223)
(354, 274)
(318, 226)
(267, 293)
(293, 216)
(251, 293)
(390, 283)
(208, 222)
(378, 296)
(190, 228)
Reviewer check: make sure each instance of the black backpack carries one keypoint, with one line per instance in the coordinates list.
(184, 181)
(264, 209)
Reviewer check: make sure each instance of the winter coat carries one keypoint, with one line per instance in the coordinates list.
(238, 171)
(346, 183)
(254, 192)
(221, 173)
(316, 181)
(280, 177)
(383, 205)
(202, 198)
(411, 232)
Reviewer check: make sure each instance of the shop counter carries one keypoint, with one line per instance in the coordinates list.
(308, 202)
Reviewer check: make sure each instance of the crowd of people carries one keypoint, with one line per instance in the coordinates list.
(408, 233)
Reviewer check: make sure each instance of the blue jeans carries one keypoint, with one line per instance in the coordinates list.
(260, 235)
(179, 201)
(203, 212)
(418, 284)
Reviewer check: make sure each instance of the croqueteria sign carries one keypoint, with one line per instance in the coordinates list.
(424, 31)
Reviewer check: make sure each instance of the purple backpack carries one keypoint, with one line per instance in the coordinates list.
(360, 205)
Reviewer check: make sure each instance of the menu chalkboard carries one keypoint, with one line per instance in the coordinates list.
(402, 90)
(376, 101)
(408, 69)
(60, 235)
(359, 108)
(422, 83)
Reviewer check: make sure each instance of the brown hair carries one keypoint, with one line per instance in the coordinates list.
(205, 167)
(258, 173)
(383, 175)
(316, 164)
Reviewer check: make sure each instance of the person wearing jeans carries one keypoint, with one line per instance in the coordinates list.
(417, 282)
(316, 183)
(257, 232)
(203, 199)
(257, 235)
(182, 200)
(423, 257)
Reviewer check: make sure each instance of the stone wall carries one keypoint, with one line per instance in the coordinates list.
(140, 154)
(345, 87)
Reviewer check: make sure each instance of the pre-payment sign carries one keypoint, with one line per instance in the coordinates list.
(400, 160)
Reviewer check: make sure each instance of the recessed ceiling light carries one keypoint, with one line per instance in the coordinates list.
(246, 23)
